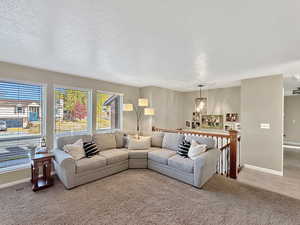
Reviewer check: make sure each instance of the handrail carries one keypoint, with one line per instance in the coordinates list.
(191, 132)
(228, 160)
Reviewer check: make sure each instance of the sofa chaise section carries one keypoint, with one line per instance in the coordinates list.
(192, 171)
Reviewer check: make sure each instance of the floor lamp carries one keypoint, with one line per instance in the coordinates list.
(140, 110)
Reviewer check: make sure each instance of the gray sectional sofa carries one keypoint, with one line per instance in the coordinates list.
(114, 157)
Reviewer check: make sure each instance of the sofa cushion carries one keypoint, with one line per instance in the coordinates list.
(138, 154)
(62, 141)
(181, 163)
(196, 149)
(171, 141)
(92, 163)
(161, 156)
(119, 139)
(157, 139)
(105, 141)
(209, 142)
(114, 156)
(76, 150)
(126, 139)
(139, 144)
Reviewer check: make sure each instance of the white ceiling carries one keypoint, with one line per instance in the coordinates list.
(168, 43)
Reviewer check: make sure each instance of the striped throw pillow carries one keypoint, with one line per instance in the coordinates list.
(183, 148)
(90, 149)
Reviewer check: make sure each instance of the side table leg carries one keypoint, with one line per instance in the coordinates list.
(45, 165)
(31, 173)
(48, 173)
(35, 186)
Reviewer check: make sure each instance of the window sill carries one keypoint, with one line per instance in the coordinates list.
(99, 131)
(72, 134)
(14, 168)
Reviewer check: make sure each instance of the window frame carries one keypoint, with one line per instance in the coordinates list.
(110, 130)
(43, 125)
(43, 107)
(89, 113)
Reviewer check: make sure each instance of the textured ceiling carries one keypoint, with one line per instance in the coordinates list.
(171, 43)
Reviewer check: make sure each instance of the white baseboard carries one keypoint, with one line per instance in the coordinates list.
(291, 143)
(265, 170)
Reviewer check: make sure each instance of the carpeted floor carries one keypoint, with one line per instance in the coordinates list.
(146, 197)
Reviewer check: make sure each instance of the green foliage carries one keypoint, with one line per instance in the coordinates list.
(71, 99)
(102, 122)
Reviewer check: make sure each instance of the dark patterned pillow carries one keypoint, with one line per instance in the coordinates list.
(183, 148)
(90, 149)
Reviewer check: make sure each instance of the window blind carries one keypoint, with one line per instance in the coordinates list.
(21, 116)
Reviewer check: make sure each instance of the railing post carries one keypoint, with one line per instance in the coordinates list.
(233, 154)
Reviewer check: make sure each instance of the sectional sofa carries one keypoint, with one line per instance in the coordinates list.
(115, 157)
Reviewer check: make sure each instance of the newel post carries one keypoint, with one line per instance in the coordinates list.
(233, 154)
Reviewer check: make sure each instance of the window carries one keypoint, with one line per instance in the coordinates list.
(20, 127)
(72, 111)
(19, 109)
(108, 115)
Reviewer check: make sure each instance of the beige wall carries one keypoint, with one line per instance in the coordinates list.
(27, 74)
(292, 118)
(262, 102)
(168, 105)
(173, 108)
(219, 101)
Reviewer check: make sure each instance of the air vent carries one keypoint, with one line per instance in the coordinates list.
(297, 91)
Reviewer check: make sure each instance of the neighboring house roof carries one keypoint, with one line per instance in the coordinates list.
(13, 103)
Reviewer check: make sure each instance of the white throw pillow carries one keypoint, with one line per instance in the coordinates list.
(139, 144)
(196, 149)
(75, 150)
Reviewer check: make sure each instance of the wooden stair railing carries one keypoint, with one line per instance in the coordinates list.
(229, 145)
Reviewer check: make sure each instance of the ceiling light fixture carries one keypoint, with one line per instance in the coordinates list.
(200, 103)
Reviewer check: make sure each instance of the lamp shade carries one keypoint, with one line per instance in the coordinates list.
(149, 111)
(127, 107)
(143, 102)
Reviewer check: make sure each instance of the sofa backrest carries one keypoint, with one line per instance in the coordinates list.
(62, 141)
(171, 141)
(105, 141)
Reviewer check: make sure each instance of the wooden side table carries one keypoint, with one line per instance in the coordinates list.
(43, 161)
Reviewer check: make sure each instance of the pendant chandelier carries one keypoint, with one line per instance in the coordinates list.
(200, 103)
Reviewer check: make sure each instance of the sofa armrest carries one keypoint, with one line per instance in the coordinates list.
(205, 166)
(64, 160)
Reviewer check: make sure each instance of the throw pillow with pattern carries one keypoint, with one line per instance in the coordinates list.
(90, 149)
(183, 148)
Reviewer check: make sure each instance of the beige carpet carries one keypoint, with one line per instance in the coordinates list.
(146, 197)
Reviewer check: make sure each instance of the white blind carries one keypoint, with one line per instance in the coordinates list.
(71, 111)
(108, 113)
(21, 116)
